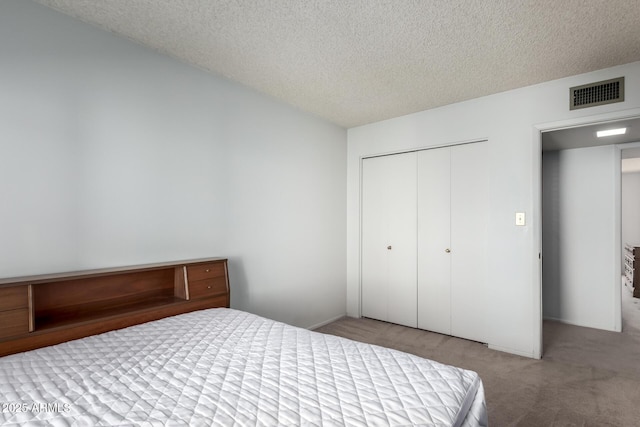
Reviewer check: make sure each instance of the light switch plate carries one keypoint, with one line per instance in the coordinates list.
(520, 218)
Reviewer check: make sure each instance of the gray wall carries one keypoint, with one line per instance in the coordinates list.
(580, 275)
(112, 154)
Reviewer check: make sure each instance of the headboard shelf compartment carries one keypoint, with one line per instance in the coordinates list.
(43, 310)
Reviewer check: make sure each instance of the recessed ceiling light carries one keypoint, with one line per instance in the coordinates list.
(611, 132)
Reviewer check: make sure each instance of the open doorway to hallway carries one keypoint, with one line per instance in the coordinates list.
(581, 226)
(630, 226)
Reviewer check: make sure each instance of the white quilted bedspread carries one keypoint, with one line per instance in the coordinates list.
(226, 367)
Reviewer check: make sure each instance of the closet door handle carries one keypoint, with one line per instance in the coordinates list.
(389, 247)
(447, 250)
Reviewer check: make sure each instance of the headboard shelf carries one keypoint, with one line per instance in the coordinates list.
(43, 310)
(79, 314)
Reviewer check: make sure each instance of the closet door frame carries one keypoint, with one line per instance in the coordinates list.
(360, 229)
(469, 241)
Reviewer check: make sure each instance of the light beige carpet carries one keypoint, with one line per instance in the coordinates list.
(587, 377)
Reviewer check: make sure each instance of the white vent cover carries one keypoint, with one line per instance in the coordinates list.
(598, 93)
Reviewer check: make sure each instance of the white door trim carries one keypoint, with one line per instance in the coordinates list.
(391, 153)
(536, 183)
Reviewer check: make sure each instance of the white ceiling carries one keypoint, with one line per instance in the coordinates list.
(585, 136)
(359, 61)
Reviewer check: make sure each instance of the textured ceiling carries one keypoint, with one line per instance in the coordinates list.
(359, 61)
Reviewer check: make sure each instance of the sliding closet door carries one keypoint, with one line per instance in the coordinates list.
(389, 238)
(469, 221)
(434, 257)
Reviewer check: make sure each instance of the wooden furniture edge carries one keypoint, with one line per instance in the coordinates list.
(81, 274)
(70, 330)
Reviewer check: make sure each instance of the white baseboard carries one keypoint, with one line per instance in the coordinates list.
(326, 322)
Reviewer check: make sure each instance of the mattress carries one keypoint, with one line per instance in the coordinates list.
(226, 367)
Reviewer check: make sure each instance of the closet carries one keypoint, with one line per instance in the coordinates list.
(389, 215)
(424, 234)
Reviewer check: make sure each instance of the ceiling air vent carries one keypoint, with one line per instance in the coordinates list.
(599, 93)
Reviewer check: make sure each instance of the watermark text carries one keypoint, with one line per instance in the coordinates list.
(34, 407)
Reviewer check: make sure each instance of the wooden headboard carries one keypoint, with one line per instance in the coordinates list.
(39, 311)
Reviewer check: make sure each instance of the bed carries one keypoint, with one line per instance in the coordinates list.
(227, 367)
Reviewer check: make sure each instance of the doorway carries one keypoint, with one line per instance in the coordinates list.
(630, 222)
(579, 228)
